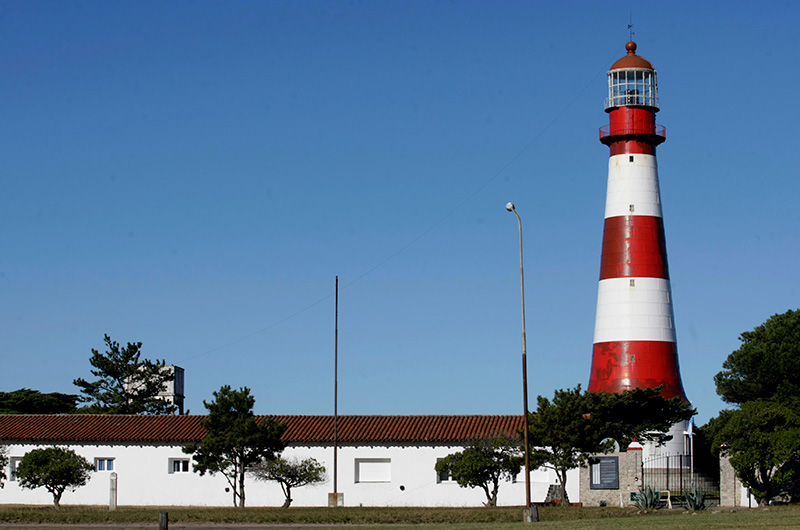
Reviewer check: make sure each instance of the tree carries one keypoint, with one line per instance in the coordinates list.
(762, 439)
(292, 473)
(566, 431)
(234, 440)
(762, 378)
(127, 384)
(3, 464)
(563, 434)
(27, 401)
(766, 365)
(483, 464)
(55, 469)
(640, 414)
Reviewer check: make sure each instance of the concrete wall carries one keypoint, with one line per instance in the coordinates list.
(630, 480)
(145, 477)
(732, 493)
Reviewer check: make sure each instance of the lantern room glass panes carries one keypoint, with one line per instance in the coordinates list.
(632, 87)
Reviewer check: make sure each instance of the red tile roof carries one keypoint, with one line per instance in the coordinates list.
(300, 430)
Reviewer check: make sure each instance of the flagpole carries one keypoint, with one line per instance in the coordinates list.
(691, 449)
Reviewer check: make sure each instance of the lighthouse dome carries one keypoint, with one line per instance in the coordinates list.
(631, 60)
(632, 82)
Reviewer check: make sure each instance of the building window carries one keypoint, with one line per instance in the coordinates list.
(604, 473)
(104, 464)
(13, 462)
(373, 469)
(178, 465)
(445, 476)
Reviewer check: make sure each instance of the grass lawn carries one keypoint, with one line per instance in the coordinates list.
(406, 518)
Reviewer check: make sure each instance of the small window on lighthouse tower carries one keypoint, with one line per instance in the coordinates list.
(630, 158)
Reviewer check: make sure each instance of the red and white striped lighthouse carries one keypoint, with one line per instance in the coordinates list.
(634, 334)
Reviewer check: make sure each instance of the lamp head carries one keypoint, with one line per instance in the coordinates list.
(510, 207)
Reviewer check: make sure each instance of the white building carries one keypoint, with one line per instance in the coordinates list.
(382, 460)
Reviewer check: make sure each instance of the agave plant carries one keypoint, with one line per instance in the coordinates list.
(647, 498)
(694, 499)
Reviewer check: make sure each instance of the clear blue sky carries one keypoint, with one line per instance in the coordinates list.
(193, 175)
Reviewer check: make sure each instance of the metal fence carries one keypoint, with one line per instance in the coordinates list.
(677, 474)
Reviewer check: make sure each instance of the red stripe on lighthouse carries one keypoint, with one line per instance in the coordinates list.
(625, 365)
(632, 121)
(632, 147)
(632, 130)
(634, 246)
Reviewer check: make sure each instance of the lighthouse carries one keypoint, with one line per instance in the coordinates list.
(634, 336)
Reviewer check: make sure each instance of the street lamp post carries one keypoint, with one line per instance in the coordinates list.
(531, 513)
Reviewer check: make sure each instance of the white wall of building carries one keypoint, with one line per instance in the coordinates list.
(391, 476)
(746, 499)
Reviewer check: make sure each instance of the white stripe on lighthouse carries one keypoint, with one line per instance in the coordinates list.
(634, 309)
(633, 183)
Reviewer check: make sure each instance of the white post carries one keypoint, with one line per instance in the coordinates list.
(112, 492)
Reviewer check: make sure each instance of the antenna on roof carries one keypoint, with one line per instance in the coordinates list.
(630, 25)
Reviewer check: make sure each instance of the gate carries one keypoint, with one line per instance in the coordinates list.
(673, 473)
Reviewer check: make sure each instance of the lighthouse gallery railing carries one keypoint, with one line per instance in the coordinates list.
(605, 131)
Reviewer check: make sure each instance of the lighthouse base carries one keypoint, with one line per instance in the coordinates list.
(677, 445)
